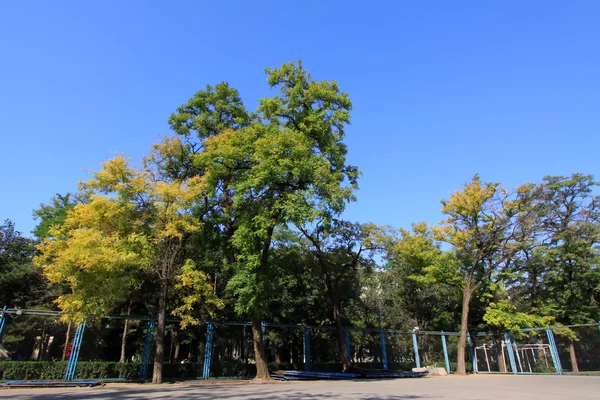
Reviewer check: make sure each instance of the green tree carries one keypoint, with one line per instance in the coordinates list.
(572, 255)
(21, 283)
(340, 250)
(137, 220)
(283, 164)
(408, 300)
(53, 214)
(487, 227)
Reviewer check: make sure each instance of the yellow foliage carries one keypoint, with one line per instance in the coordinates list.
(195, 291)
(131, 214)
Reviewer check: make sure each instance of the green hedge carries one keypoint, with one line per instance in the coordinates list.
(34, 370)
(238, 368)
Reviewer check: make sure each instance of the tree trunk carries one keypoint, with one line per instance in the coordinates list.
(124, 341)
(40, 356)
(171, 345)
(501, 357)
(67, 338)
(176, 356)
(461, 368)
(175, 340)
(339, 327)
(125, 329)
(573, 356)
(244, 352)
(260, 355)
(159, 354)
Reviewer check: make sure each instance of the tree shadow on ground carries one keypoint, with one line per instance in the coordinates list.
(202, 392)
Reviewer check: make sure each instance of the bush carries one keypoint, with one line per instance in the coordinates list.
(30, 370)
(55, 370)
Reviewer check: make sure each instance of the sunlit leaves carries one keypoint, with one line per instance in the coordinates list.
(132, 219)
(504, 315)
(195, 292)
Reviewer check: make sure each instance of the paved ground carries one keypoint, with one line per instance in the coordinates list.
(451, 388)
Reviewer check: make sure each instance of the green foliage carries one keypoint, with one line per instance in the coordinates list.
(240, 214)
(572, 255)
(418, 281)
(195, 292)
(503, 315)
(21, 283)
(284, 165)
(210, 112)
(53, 214)
(51, 370)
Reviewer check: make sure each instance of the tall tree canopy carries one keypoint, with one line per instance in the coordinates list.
(135, 222)
(283, 164)
(241, 213)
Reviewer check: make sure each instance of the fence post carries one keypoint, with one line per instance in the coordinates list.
(517, 353)
(472, 353)
(74, 356)
(146, 355)
(416, 348)
(496, 352)
(383, 349)
(306, 349)
(536, 352)
(554, 351)
(511, 355)
(2, 319)
(348, 346)
(445, 353)
(208, 350)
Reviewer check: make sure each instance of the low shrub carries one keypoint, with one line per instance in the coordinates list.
(55, 370)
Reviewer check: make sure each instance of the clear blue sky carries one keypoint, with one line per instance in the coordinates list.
(441, 89)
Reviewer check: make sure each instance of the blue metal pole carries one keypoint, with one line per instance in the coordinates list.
(383, 349)
(263, 329)
(518, 357)
(74, 356)
(511, 355)
(74, 353)
(535, 350)
(70, 362)
(554, 351)
(208, 350)
(445, 353)
(146, 355)
(472, 353)
(148, 347)
(2, 319)
(348, 346)
(306, 349)
(416, 348)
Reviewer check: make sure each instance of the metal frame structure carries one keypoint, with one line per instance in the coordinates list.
(513, 355)
(306, 349)
(445, 348)
(517, 355)
(472, 353)
(2, 319)
(147, 354)
(208, 350)
(416, 348)
(74, 356)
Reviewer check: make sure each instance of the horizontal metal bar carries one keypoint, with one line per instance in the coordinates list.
(52, 313)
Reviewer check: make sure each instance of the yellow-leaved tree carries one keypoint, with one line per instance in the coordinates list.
(137, 220)
(486, 227)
